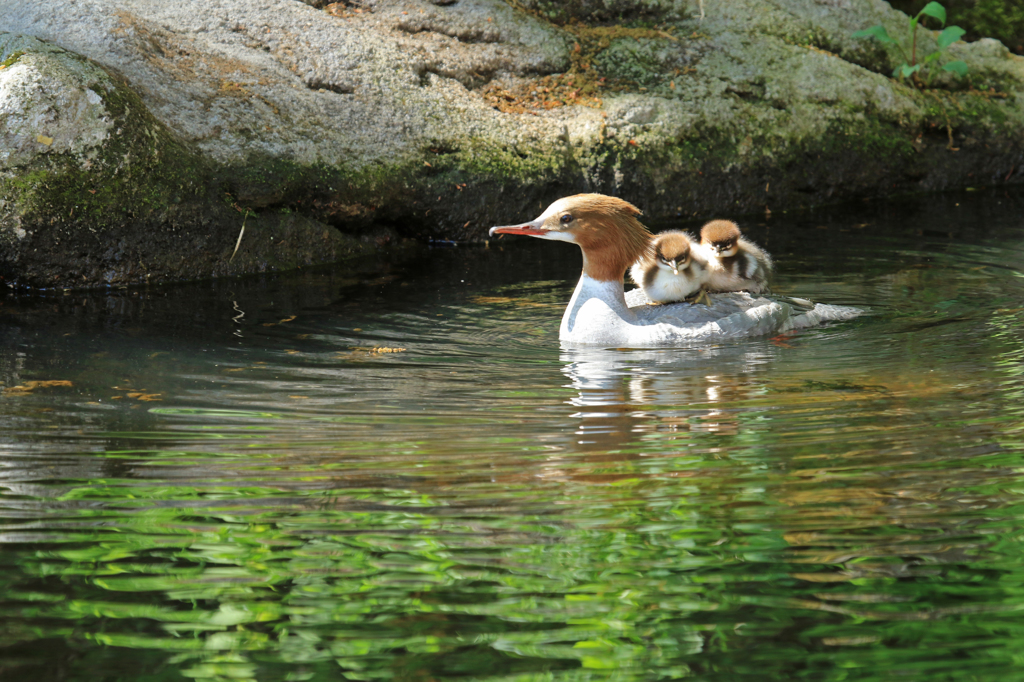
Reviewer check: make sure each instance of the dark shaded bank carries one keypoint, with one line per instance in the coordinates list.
(177, 142)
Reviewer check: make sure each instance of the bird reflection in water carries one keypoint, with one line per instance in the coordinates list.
(626, 397)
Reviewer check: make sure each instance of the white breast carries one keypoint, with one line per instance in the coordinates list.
(670, 288)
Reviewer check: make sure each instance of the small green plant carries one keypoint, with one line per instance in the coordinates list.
(911, 65)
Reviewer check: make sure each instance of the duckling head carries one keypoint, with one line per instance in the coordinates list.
(721, 236)
(672, 251)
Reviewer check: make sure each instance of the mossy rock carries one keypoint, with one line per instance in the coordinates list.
(322, 128)
(644, 62)
(94, 190)
(608, 11)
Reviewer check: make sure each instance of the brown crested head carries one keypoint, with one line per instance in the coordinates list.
(672, 246)
(606, 229)
(719, 232)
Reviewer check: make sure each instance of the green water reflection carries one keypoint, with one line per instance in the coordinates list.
(406, 478)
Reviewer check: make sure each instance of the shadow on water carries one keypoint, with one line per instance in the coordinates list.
(398, 474)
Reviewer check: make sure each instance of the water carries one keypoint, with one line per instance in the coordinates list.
(399, 475)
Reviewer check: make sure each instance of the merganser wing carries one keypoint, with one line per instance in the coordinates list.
(732, 315)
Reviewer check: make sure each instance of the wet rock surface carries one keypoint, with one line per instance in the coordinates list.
(314, 123)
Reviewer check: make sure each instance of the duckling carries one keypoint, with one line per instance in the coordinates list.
(672, 271)
(733, 263)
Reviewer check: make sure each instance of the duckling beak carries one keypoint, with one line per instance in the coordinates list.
(531, 229)
(675, 267)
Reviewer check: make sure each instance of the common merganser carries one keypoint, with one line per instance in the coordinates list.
(733, 263)
(672, 271)
(599, 312)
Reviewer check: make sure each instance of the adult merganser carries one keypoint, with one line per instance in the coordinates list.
(611, 237)
(733, 263)
(673, 270)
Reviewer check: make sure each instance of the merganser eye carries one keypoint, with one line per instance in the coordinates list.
(567, 218)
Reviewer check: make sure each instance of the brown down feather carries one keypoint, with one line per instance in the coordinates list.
(718, 231)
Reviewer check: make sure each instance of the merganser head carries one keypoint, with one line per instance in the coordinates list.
(721, 237)
(604, 227)
(672, 251)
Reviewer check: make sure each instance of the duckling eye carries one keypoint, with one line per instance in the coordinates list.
(565, 219)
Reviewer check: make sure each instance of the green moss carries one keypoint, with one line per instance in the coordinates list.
(337, 195)
(29, 180)
(512, 165)
(688, 156)
(645, 62)
(13, 59)
(640, 12)
(848, 146)
(864, 139)
(978, 113)
(140, 169)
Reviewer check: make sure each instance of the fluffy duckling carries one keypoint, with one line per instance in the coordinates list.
(733, 263)
(672, 271)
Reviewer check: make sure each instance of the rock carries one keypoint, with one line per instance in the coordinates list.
(94, 190)
(440, 118)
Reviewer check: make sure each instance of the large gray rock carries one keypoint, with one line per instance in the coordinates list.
(94, 190)
(432, 118)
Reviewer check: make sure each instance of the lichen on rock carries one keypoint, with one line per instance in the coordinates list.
(41, 114)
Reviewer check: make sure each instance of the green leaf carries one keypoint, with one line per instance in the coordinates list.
(594, 662)
(906, 70)
(958, 67)
(934, 10)
(875, 32)
(950, 35)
